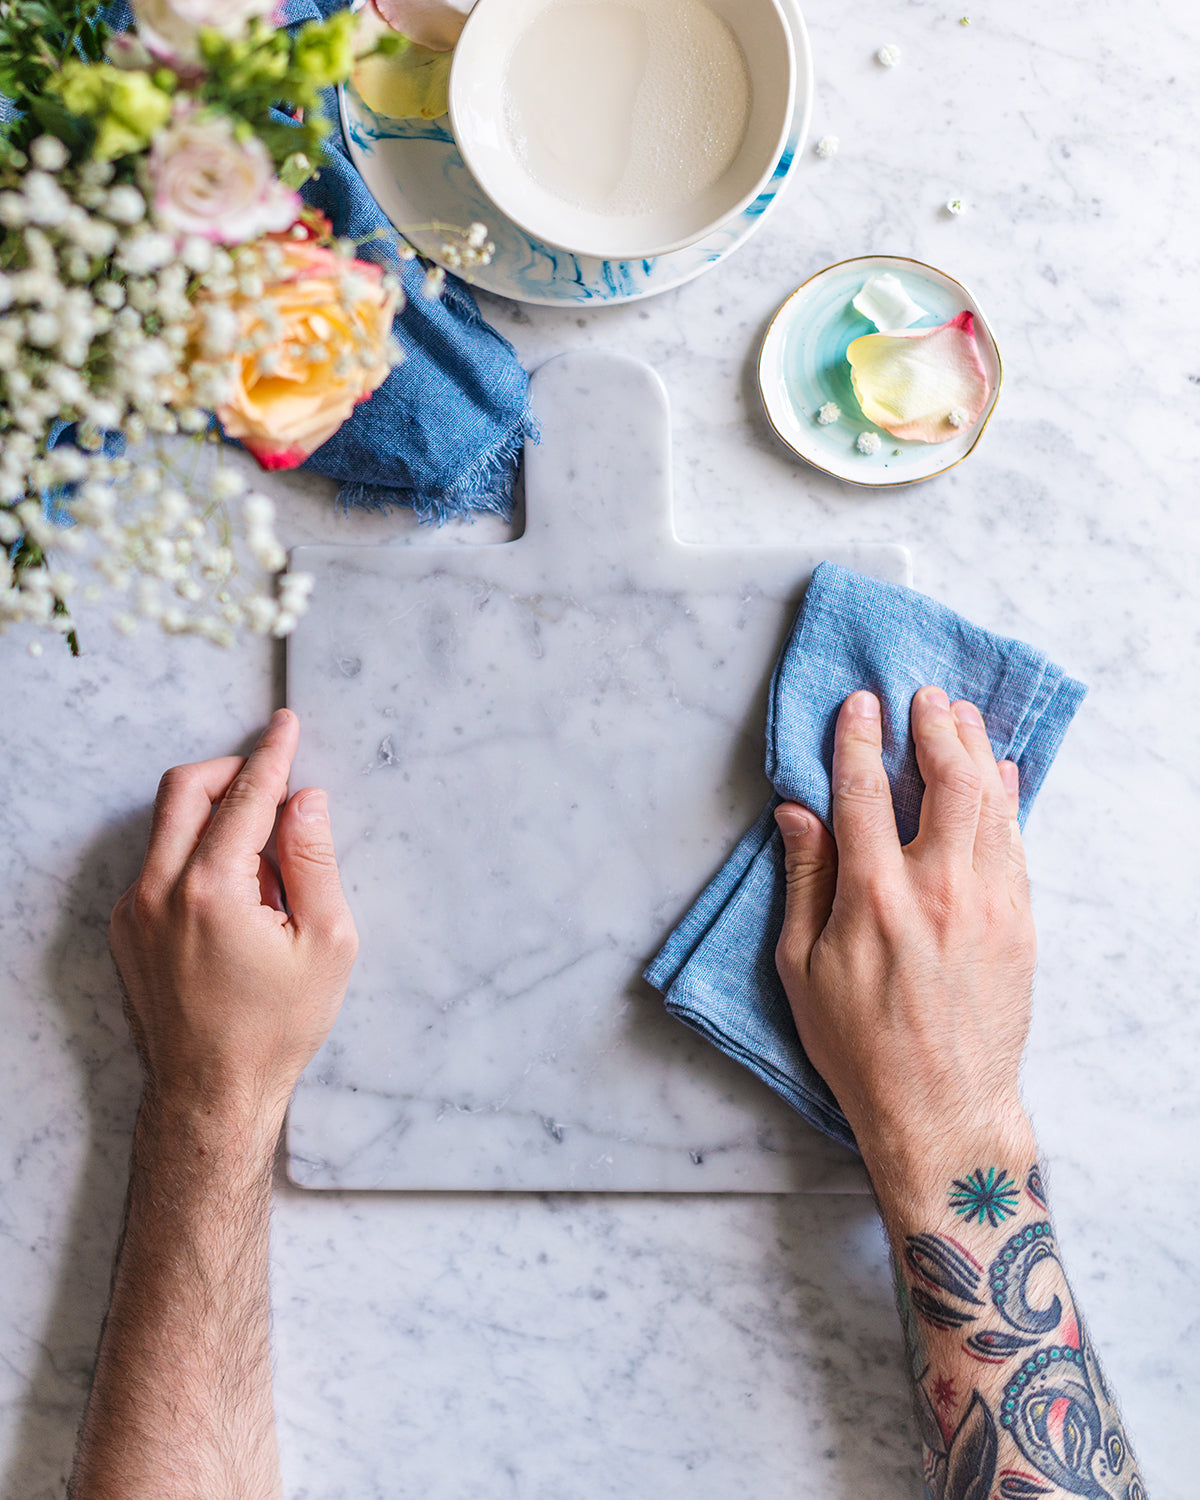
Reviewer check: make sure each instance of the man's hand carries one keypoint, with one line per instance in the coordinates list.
(909, 970)
(229, 994)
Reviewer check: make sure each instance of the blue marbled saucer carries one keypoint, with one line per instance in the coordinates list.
(420, 180)
(803, 365)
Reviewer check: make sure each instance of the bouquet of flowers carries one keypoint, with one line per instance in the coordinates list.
(157, 266)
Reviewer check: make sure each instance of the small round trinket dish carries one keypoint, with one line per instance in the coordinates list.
(804, 375)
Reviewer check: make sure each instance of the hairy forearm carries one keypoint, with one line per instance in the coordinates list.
(1010, 1398)
(181, 1404)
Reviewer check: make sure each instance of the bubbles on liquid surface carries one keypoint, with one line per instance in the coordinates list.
(627, 107)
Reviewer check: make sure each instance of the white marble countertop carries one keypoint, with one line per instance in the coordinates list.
(563, 1346)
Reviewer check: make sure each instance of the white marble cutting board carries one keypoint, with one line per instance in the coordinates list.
(537, 753)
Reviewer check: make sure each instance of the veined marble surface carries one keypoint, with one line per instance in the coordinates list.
(575, 1346)
(530, 796)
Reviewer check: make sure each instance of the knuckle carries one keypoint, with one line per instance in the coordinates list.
(119, 920)
(789, 958)
(318, 852)
(861, 788)
(962, 779)
(197, 886)
(342, 936)
(876, 893)
(953, 904)
(140, 905)
(244, 790)
(800, 867)
(175, 779)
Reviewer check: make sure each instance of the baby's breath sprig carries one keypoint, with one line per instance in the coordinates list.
(95, 318)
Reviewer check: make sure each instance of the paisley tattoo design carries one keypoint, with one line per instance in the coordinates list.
(1043, 1410)
(985, 1198)
(1050, 1408)
(937, 1312)
(996, 1346)
(1033, 1186)
(945, 1264)
(1009, 1279)
(1020, 1487)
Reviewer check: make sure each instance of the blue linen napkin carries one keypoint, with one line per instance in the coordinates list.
(717, 969)
(445, 430)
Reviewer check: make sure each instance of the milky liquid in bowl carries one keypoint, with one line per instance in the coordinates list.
(625, 107)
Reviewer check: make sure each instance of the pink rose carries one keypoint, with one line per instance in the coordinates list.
(207, 182)
(315, 345)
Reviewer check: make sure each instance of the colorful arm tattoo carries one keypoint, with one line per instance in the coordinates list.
(1011, 1402)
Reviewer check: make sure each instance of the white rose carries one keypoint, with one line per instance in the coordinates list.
(169, 27)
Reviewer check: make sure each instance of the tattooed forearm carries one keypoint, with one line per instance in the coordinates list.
(1011, 1402)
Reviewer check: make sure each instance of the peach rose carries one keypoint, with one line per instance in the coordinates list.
(310, 348)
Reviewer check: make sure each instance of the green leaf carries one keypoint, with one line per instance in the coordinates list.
(76, 133)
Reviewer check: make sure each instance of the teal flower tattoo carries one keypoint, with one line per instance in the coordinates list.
(992, 1197)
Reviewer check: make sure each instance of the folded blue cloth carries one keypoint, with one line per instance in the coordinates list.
(445, 430)
(717, 969)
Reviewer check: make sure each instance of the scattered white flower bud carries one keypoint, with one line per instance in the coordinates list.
(956, 206)
(227, 485)
(49, 153)
(868, 443)
(145, 252)
(827, 147)
(888, 56)
(45, 201)
(196, 253)
(41, 329)
(125, 205)
(13, 210)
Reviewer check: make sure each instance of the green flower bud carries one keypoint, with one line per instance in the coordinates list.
(324, 53)
(125, 105)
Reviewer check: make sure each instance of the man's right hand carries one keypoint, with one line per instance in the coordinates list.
(909, 970)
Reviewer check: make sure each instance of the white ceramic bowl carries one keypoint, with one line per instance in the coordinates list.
(477, 114)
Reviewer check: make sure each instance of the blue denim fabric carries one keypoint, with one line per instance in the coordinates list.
(445, 430)
(717, 969)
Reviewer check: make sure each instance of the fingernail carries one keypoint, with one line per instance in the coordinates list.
(311, 806)
(792, 821)
(936, 698)
(1010, 777)
(865, 705)
(967, 713)
(280, 716)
